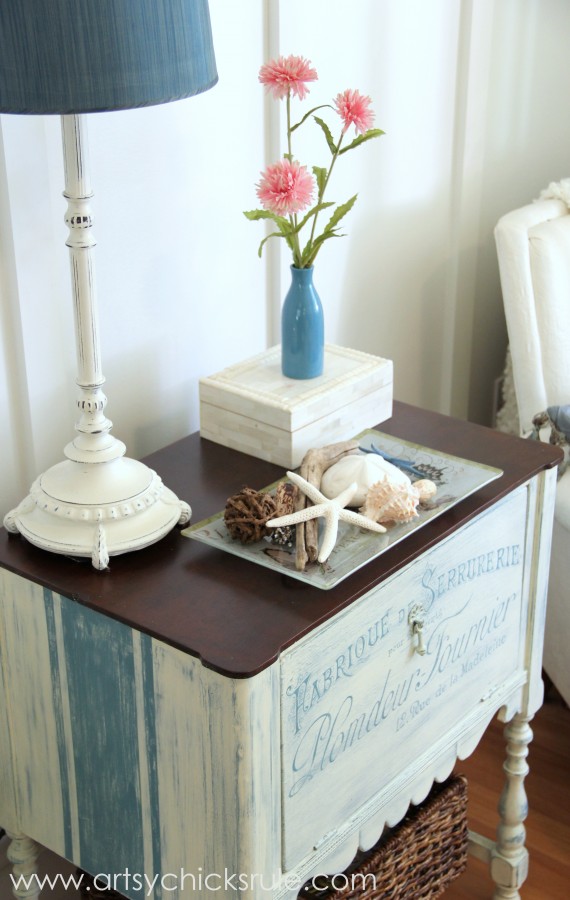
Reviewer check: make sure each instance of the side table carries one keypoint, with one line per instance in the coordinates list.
(191, 725)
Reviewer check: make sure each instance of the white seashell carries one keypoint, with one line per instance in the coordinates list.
(426, 489)
(365, 470)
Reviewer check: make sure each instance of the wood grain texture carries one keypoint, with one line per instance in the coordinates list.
(7, 787)
(32, 710)
(179, 591)
(548, 790)
(548, 823)
(129, 754)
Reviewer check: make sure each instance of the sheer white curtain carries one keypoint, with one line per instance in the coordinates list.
(468, 93)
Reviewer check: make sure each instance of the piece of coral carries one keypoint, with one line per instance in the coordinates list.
(246, 514)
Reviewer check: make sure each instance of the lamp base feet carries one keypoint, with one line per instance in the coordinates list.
(97, 510)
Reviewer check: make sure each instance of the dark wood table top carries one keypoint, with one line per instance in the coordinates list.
(235, 616)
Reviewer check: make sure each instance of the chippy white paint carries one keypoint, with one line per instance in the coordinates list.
(153, 762)
(96, 503)
(23, 853)
(7, 796)
(358, 690)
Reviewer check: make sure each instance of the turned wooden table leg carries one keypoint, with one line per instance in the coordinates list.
(509, 860)
(22, 853)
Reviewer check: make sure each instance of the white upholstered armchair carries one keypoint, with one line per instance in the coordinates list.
(533, 246)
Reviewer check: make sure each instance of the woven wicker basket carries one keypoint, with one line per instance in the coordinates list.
(417, 860)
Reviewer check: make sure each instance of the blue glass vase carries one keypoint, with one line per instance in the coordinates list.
(302, 328)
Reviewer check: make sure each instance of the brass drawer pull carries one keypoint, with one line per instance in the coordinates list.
(416, 623)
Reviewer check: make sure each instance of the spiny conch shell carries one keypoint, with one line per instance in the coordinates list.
(386, 502)
(365, 470)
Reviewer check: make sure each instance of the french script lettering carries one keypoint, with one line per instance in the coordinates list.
(358, 698)
(311, 688)
(436, 585)
(458, 643)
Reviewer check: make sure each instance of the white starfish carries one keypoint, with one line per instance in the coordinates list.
(331, 510)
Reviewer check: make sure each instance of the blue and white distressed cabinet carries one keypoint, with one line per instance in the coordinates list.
(190, 721)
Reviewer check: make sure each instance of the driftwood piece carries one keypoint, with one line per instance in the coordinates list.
(286, 495)
(315, 462)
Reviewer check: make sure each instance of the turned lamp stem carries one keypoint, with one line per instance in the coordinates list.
(97, 502)
(94, 442)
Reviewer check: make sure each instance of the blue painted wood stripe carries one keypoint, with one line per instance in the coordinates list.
(101, 680)
(49, 601)
(152, 755)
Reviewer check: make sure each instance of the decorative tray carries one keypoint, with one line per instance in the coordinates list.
(456, 479)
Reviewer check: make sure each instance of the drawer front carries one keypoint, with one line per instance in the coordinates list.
(360, 704)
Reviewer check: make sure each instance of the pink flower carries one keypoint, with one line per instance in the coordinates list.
(352, 107)
(287, 73)
(285, 188)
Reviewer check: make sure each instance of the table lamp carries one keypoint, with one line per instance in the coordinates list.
(71, 57)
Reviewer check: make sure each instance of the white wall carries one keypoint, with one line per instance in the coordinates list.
(471, 94)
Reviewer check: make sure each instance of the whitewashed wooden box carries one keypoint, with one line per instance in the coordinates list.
(252, 407)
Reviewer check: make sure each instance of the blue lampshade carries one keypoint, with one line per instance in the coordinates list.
(78, 56)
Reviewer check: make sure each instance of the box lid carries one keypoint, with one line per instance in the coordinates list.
(257, 388)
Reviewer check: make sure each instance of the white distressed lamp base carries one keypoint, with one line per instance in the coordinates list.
(97, 510)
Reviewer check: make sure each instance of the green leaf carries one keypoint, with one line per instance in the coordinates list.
(286, 229)
(321, 177)
(326, 235)
(313, 212)
(306, 254)
(339, 213)
(265, 239)
(367, 136)
(284, 226)
(310, 113)
(328, 135)
(254, 214)
(282, 223)
(310, 251)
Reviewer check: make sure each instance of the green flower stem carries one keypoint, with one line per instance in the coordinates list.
(290, 231)
(297, 255)
(293, 218)
(296, 245)
(289, 124)
(322, 194)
